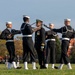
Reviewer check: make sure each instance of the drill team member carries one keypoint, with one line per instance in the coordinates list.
(8, 35)
(51, 45)
(67, 32)
(28, 46)
(40, 44)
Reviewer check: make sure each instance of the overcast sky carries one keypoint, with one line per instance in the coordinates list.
(50, 11)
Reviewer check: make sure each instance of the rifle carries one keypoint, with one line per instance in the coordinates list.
(33, 23)
(46, 26)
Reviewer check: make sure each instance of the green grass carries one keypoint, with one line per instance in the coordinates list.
(64, 71)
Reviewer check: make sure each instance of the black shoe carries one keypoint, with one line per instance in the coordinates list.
(36, 67)
(56, 67)
(43, 67)
(18, 67)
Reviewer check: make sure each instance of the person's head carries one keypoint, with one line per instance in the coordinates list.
(26, 18)
(51, 26)
(39, 23)
(67, 22)
(9, 24)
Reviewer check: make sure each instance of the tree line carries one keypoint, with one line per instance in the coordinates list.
(19, 49)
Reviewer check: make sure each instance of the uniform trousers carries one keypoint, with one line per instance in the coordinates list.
(64, 57)
(41, 55)
(28, 47)
(50, 52)
(11, 49)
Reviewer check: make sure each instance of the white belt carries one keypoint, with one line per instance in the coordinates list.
(65, 39)
(50, 40)
(27, 35)
(10, 40)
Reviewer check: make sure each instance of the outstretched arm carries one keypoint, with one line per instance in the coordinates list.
(57, 30)
(14, 32)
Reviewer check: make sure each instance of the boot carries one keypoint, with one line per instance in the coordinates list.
(52, 66)
(61, 66)
(9, 65)
(6, 64)
(69, 66)
(17, 64)
(25, 66)
(14, 65)
(46, 65)
(34, 65)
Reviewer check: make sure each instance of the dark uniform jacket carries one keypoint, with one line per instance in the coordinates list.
(50, 34)
(6, 32)
(40, 37)
(26, 29)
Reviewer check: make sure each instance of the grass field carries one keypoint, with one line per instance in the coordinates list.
(64, 71)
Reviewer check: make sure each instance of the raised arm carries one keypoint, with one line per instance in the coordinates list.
(57, 30)
(14, 32)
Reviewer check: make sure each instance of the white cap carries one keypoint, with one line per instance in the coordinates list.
(8, 22)
(67, 19)
(51, 24)
(26, 16)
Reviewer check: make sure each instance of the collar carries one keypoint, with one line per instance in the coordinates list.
(9, 29)
(26, 22)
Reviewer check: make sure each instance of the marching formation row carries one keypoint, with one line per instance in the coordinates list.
(44, 40)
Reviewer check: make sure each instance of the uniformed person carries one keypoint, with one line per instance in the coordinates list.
(67, 32)
(8, 35)
(28, 46)
(51, 46)
(40, 43)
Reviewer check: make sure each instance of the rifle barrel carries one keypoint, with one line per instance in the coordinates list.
(46, 26)
(33, 23)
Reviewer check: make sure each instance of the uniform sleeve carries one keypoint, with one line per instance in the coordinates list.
(58, 30)
(14, 32)
(3, 35)
(46, 35)
(73, 35)
(29, 29)
(43, 36)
